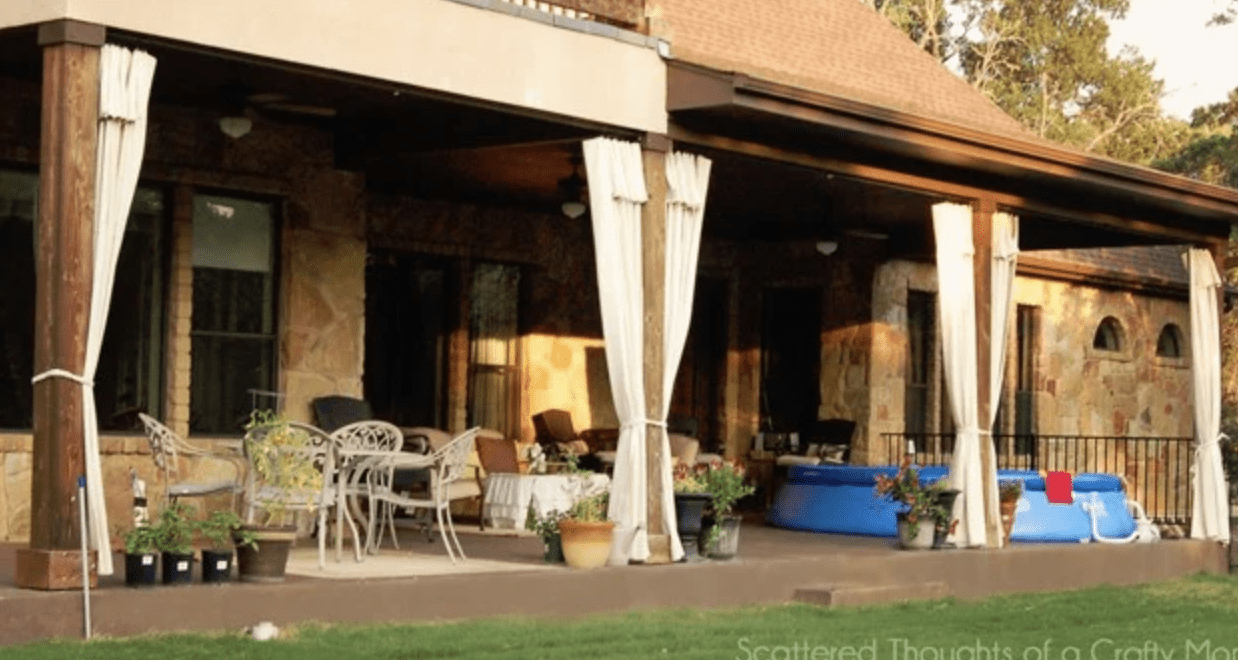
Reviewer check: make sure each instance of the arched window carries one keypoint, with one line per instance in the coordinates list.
(1108, 335)
(1169, 343)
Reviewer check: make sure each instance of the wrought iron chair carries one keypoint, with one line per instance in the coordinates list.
(166, 447)
(323, 450)
(448, 481)
(370, 435)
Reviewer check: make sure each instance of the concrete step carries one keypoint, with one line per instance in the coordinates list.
(842, 595)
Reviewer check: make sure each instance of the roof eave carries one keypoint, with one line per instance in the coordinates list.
(692, 88)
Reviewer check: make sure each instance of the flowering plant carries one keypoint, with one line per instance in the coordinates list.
(923, 502)
(688, 479)
(723, 481)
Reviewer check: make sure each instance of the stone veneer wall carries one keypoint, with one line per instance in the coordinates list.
(322, 257)
(1078, 390)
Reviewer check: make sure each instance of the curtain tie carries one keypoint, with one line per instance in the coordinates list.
(650, 422)
(61, 373)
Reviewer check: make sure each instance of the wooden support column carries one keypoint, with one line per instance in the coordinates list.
(653, 247)
(64, 261)
(982, 267)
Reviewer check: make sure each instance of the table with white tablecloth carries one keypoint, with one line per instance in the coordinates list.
(509, 496)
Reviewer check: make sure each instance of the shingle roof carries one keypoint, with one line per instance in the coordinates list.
(837, 47)
(1158, 262)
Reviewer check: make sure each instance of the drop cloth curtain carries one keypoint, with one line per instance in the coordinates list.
(1005, 262)
(616, 194)
(1210, 511)
(956, 293)
(125, 78)
(687, 179)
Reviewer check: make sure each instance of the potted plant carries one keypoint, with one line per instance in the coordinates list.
(691, 498)
(924, 508)
(222, 531)
(174, 536)
(547, 529)
(286, 476)
(141, 554)
(726, 484)
(1008, 494)
(585, 532)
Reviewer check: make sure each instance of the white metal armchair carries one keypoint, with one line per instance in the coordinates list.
(360, 446)
(166, 448)
(323, 448)
(449, 480)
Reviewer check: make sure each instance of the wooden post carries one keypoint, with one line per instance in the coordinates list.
(653, 249)
(64, 265)
(982, 267)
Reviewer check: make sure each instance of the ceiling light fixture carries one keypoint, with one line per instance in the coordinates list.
(572, 189)
(236, 126)
(828, 247)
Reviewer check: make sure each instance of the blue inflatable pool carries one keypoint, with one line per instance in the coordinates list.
(839, 499)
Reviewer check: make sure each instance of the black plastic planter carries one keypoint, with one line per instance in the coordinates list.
(177, 569)
(689, 509)
(141, 570)
(216, 566)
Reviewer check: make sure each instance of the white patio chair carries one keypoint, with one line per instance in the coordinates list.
(323, 448)
(166, 447)
(367, 436)
(448, 481)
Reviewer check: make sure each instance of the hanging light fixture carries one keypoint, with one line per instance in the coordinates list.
(572, 189)
(235, 126)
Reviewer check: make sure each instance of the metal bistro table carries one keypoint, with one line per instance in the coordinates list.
(354, 464)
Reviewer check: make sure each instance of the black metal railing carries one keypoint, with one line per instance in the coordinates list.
(1157, 470)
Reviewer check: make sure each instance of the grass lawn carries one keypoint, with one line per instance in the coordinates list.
(1190, 619)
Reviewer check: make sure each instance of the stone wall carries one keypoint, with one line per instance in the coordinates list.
(1079, 390)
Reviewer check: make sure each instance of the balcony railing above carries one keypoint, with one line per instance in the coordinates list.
(627, 14)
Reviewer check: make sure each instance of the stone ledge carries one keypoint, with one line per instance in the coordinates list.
(844, 595)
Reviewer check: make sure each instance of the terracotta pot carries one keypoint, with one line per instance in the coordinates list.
(586, 544)
(267, 562)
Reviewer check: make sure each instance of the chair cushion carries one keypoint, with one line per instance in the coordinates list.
(791, 459)
(190, 490)
(436, 438)
(683, 448)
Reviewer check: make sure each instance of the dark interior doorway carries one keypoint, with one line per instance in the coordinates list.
(698, 384)
(790, 357)
(408, 321)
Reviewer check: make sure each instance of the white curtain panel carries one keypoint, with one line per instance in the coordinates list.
(125, 78)
(956, 293)
(1005, 261)
(616, 193)
(687, 180)
(1210, 511)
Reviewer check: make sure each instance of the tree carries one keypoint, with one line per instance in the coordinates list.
(1211, 154)
(1045, 63)
(1227, 15)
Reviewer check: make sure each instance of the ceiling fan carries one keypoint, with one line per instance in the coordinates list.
(242, 104)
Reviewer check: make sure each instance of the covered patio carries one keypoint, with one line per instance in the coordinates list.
(506, 577)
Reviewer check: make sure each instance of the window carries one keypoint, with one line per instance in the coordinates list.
(921, 319)
(1027, 331)
(129, 376)
(1169, 343)
(492, 364)
(233, 330)
(1108, 335)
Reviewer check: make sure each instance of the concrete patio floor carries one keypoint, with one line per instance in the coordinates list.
(505, 576)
